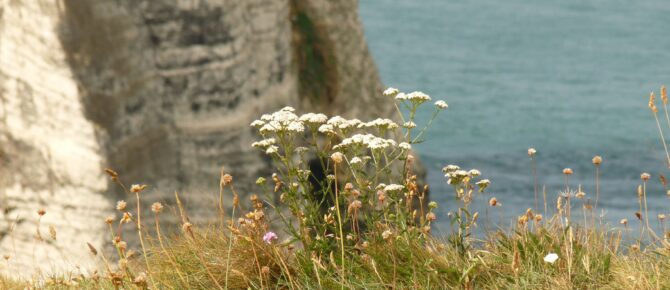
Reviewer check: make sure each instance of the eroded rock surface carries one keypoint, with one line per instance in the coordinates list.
(161, 91)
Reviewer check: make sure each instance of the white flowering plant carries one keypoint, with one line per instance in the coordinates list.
(340, 176)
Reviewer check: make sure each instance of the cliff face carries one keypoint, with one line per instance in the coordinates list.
(161, 91)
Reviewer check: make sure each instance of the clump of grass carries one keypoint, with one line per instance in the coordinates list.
(367, 224)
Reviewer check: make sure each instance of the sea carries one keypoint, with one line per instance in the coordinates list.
(570, 78)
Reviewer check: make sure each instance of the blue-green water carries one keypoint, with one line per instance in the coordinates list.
(570, 78)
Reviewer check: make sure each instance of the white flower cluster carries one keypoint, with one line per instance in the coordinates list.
(264, 143)
(381, 124)
(405, 146)
(391, 92)
(272, 149)
(414, 97)
(450, 168)
(393, 187)
(441, 104)
(418, 97)
(342, 123)
(283, 120)
(312, 118)
(455, 175)
(370, 141)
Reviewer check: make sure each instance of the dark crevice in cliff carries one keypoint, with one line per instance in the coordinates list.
(314, 59)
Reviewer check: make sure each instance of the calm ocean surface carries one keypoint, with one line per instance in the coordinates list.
(570, 78)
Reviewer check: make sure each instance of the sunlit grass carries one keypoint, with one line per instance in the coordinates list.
(367, 224)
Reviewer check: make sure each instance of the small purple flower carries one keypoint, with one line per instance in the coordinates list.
(269, 237)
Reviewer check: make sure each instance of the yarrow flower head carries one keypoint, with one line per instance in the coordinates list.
(342, 123)
(264, 143)
(312, 118)
(401, 96)
(456, 177)
(283, 120)
(386, 124)
(405, 146)
(327, 129)
(272, 149)
(356, 160)
(391, 92)
(393, 187)
(483, 184)
(371, 141)
(269, 237)
(450, 168)
(441, 105)
(418, 97)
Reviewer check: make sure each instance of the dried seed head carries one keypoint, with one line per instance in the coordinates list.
(381, 196)
(645, 176)
(121, 205)
(522, 220)
(559, 203)
(387, 234)
(475, 216)
(664, 95)
(355, 205)
(137, 188)
(157, 207)
(52, 232)
(638, 215)
(348, 186)
(122, 246)
(567, 171)
(624, 222)
(530, 214)
(41, 212)
(127, 217)
(538, 218)
(226, 179)
(141, 280)
(123, 264)
(431, 217)
(337, 157)
(236, 200)
(597, 160)
(92, 249)
(186, 227)
(493, 201)
(109, 220)
(580, 194)
(6, 257)
(265, 270)
(112, 174)
(652, 103)
(531, 152)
